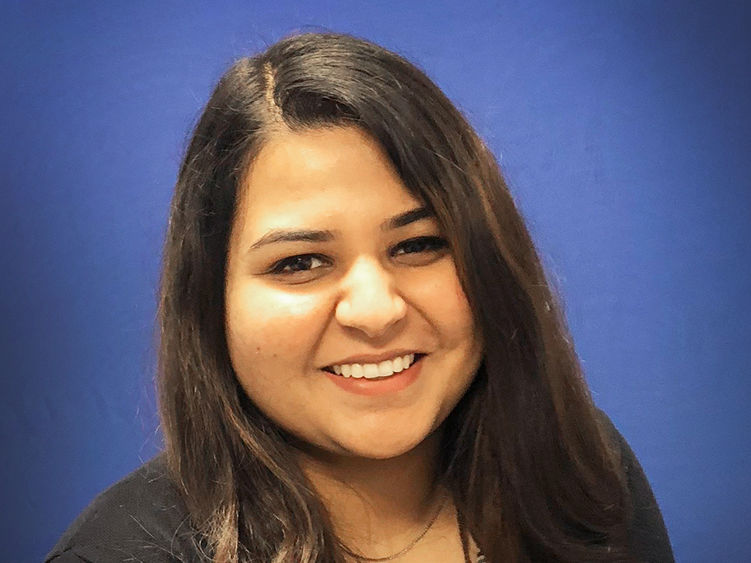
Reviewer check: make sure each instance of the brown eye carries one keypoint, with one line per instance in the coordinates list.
(297, 264)
(419, 250)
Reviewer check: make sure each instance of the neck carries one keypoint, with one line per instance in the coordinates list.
(377, 505)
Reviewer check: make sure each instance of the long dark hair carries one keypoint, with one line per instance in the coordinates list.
(529, 466)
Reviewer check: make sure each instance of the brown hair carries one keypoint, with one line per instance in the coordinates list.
(529, 466)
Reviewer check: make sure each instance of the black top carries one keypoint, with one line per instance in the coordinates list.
(143, 519)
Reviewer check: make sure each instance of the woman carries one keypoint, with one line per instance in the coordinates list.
(360, 357)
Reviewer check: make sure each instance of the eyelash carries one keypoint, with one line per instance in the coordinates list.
(434, 244)
(426, 244)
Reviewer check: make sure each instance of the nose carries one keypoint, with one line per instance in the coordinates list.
(369, 301)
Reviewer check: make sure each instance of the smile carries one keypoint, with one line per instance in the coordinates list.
(385, 368)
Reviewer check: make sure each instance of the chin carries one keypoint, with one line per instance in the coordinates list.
(379, 452)
(384, 447)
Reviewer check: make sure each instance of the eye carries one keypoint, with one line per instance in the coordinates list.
(419, 250)
(300, 266)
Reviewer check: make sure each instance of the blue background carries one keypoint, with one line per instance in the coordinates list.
(624, 131)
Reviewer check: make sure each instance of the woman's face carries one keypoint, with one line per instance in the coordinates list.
(335, 270)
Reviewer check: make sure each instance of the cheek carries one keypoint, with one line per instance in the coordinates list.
(442, 299)
(267, 329)
(461, 308)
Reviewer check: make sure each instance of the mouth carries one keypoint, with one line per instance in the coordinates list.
(375, 371)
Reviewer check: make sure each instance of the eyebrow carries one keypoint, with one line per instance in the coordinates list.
(292, 236)
(404, 219)
(306, 235)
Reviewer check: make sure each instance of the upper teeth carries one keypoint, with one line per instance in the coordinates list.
(371, 371)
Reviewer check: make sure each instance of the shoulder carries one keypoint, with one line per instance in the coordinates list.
(648, 536)
(141, 518)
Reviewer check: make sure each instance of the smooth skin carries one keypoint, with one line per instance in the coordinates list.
(326, 265)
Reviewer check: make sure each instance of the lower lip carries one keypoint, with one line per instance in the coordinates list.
(390, 384)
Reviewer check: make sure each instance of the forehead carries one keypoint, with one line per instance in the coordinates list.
(321, 171)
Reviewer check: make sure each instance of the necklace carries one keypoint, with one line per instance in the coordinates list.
(409, 546)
